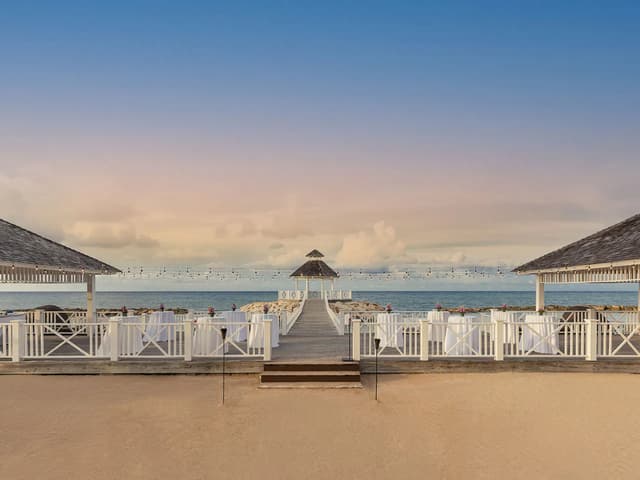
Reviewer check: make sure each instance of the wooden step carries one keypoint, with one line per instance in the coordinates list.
(311, 374)
(311, 367)
(311, 385)
(297, 377)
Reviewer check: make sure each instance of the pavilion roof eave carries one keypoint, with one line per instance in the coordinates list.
(618, 272)
(577, 268)
(56, 269)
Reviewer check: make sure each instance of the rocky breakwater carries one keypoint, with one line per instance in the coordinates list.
(355, 306)
(274, 307)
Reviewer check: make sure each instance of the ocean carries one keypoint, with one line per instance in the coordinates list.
(413, 300)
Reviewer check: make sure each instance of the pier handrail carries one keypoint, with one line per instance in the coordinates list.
(334, 317)
(291, 319)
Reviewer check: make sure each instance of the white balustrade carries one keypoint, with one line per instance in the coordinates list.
(557, 334)
(328, 294)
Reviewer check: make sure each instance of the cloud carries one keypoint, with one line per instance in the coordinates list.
(377, 248)
(109, 236)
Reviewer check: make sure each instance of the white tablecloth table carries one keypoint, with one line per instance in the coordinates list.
(462, 336)
(440, 318)
(535, 328)
(236, 325)
(256, 335)
(207, 338)
(389, 330)
(129, 339)
(159, 327)
(510, 319)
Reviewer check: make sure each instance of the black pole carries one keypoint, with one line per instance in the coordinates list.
(223, 331)
(376, 341)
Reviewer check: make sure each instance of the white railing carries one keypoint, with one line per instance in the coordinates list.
(45, 340)
(127, 338)
(539, 339)
(293, 317)
(461, 339)
(328, 294)
(401, 339)
(167, 340)
(570, 334)
(335, 318)
(238, 343)
(291, 294)
(5, 340)
(616, 336)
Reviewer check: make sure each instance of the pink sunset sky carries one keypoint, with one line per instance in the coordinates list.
(221, 137)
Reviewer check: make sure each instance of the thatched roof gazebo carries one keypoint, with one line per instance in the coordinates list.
(611, 255)
(26, 257)
(314, 269)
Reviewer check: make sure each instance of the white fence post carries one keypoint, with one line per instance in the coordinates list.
(267, 340)
(114, 333)
(498, 325)
(592, 339)
(18, 340)
(284, 321)
(424, 339)
(38, 316)
(188, 339)
(355, 339)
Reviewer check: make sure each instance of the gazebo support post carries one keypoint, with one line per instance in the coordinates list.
(91, 288)
(539, 293)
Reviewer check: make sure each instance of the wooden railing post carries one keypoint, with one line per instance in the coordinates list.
(267, 339)
(18, 340)
(591, 339)
(424, 339)
(114, 333)
(498, 325)
(188, 338)
(355, 339)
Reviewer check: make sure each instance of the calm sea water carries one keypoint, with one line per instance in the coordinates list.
(399, 300)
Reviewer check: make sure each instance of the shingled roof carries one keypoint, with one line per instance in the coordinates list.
(21, 247)
(618, 243)
(314, 254)
(315, 269)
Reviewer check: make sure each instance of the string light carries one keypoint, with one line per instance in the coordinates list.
(247, 273)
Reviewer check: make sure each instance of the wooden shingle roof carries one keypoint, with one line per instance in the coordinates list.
(618, 243)
(22, 247)
(315, 269)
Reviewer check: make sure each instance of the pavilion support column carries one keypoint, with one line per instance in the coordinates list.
(91, 289)
(539, 293)
(639, 304)
(306, 288)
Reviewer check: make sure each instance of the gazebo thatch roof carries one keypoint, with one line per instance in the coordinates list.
(24, 249)
(314, 254)
(315, 269)
(615, 244)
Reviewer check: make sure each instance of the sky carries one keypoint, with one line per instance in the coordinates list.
(382, 133)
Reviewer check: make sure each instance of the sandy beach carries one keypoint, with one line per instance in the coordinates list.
(424, 426)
